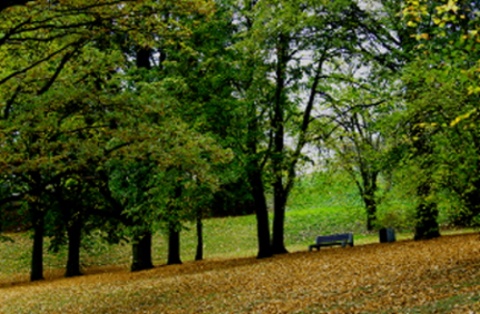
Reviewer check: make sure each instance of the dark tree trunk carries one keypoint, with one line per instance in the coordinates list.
(367, 188)
(142, 245)
(254, 167)
(427, 212)
(473, 204)
(143, 58)
(426, 226)
(173, 256)
(199, 252)
(471, 199)
(277, 124)
(371, 206)
(173, 246)
(74, 232)
(254, 173)
(142, 252)
(278, 245)
(261, 214)
(38, 218)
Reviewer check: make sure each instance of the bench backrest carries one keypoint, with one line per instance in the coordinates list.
(347, 237)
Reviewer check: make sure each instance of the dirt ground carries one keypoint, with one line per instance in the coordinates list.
(436, 276)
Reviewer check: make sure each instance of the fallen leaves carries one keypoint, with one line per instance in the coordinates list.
(441, 275)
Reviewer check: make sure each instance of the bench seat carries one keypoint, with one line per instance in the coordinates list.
(342, 239)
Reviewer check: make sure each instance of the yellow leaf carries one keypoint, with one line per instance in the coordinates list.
(437, 20)
(452, 6)
(424, 36)
(411, 24)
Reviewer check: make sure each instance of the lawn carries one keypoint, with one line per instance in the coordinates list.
(436, 276)
(230, 237)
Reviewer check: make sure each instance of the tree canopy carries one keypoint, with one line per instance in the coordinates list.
(134, 117)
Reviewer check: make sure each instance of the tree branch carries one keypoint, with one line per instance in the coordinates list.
(31, 66)
(60, 67)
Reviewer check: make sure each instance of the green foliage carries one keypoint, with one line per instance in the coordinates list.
(323, 189)
(145, 114)
(77, 113)
(441, 80)
(329, 202)
(453, 137)
(397, 208)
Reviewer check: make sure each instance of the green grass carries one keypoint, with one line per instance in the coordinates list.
(318, 205)
(230, 237)
(312, 211)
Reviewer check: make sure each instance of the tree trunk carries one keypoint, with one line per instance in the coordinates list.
(254, 174)
(199, 253)
(277, 124)
(74, 232)
(142, 252)
(367, 188)
(278, 245)
(473, 204)
(371, 213)
(371, 207)
(142, 246)
(427, 212)
(261, 214)
(427, 225)
(173, 246)
(38, 218)
(471, 199)
(143, 58)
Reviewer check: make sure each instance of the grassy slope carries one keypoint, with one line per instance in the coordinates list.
(318, 205)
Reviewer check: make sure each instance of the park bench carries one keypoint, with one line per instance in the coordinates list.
(329, 240)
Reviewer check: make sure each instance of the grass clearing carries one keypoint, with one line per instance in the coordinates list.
(230, 237)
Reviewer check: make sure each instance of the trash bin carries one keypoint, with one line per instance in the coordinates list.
(387, 235)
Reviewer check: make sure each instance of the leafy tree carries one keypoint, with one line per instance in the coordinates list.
(70, 215)
(65, 130)
(445, 73)
(356, 132)
(203, 73)
(299, 47)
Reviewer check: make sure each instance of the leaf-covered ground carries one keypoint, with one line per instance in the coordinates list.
(436, 276)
